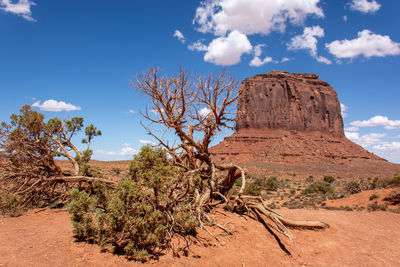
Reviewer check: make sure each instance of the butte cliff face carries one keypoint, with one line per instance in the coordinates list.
(289, 101)
(289, 118)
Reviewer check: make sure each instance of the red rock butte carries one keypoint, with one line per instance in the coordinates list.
(291, 118)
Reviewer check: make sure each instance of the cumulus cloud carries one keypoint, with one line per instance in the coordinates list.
(378, 121)
(55, 106)
(131, 111)
(392, 146)
(147, 142)
(285, 59)
(179, 35)
(308, 41)
(21, 8)
(253, 16)
(257, 61)
(204, 112)
(226, 51)
(367, 44)
(365, 6)
(126, 152)
(352, 129)
(343, 109)
(197, 46)
(366, 140)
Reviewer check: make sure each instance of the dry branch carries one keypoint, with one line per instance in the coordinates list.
(177, 101)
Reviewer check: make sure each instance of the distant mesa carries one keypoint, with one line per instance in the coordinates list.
(289, 118)
(289, 101)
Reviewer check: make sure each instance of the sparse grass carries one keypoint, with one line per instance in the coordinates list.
(9, 204)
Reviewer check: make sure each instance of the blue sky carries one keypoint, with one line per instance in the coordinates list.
(77, 58)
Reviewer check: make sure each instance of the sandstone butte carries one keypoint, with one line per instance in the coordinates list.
(286, 119)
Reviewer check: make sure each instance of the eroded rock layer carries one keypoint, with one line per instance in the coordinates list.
(289, 118)
(282, 100)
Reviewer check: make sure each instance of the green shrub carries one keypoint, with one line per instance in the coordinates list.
(252, 189)
(9, 204)
(82, 218)
(310, 179)
(138, 218)
(353, 187)
(272, 184)
(319, 187)
(329, 179)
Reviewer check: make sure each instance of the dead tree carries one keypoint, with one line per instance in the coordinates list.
(195, 109)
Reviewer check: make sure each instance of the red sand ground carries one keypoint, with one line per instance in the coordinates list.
(44, 238)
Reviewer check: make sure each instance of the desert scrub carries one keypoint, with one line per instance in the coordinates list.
(272, 184)
(329, 179)
(374, 196)
(393, 198)
(319, 187)
(385, 182)
(139, 218)
(9, 204)
(252, 189)
(353, 187)
(375, 206)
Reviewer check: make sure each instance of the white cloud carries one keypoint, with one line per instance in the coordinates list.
(126, 144)
(178, 34)
(392, 146)
(351, 129)
(285, 59)
(204, 112)
(308, 41)
(147, 142)
(366, 140)
(367, 44)
(257, 61)
(122, 154)
(365, 6)
(197, 46)
(21, 8)
(55, 106)
(345, 18)
(131, 111)
(155, 111)
(377, 121)
(253, 16)
(228, 50)
(343, 109)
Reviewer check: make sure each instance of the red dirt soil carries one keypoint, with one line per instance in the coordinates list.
(44, 238)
